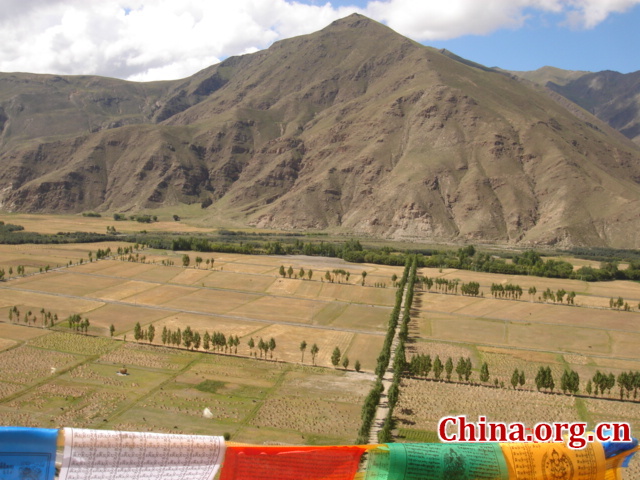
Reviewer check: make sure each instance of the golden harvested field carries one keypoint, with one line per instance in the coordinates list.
(591, 293)
(34, 257)
(237, 281)
(122, 317)
(123, 290)
(209, 301)
(66, 282)
(161, 294)
(6, 343)
(288, 339)
(209, 323)
(358, 294)
(19, 333)
(354, 316)
(280, 309)
(365, 348)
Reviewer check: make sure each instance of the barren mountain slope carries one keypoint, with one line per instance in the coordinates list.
(613, 97)
(353, 128)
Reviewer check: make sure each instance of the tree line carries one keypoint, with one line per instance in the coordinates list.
(372, 399)
(422, 365)
(465, 258)
(48, 318)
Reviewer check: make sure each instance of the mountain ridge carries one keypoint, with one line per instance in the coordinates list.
(353, 128)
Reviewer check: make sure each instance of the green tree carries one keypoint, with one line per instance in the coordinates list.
(187, 337)
(314, 352)
(272, 346)
(206, 340)
(151, 333)
(185, 260)
(364, 276)
(468, 369)
(345, 362)
(484, 372)
(137, 331)
(290, 271)
(309, 274)
(282, 272)
(196, 340)
(437, 368)
(461, 368)
(448, 368)
(515, 378)
(112, 330)
(301, 273)
(303, 347)
(357, 366)
(251, 344)
(335, 357)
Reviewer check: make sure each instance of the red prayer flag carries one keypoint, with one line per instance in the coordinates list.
(291, 463)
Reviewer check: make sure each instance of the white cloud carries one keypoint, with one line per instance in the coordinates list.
(446, 19)
(163, 39)
(589, 13)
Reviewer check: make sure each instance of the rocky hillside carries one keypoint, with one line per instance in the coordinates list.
(611, 96)
(354, 128)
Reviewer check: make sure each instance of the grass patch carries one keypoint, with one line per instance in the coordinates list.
(583, 411)
(419, 436)
(210, 386)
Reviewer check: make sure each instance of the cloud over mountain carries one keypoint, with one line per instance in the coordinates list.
(143, 40)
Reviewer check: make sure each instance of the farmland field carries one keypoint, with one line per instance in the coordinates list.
(42, 384)
(252, 396)
(73, 381)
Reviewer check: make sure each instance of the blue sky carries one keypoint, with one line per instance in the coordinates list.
(144, 40)
(614, 44)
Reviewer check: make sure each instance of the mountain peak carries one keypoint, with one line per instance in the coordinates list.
(356, 21)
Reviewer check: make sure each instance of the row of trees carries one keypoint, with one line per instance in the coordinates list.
(290, 272)
(314, 351)
(399, 365)
(48, 318)
(472, 289)
(558, 296)
(627, 382)
(506, 291)
(373, 397)
(263, 346)
(77, 323)
(186, 261)
(143, 218)
(619, 303)
(421, 365)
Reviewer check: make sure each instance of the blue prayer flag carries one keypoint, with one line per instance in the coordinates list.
(27, 453)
